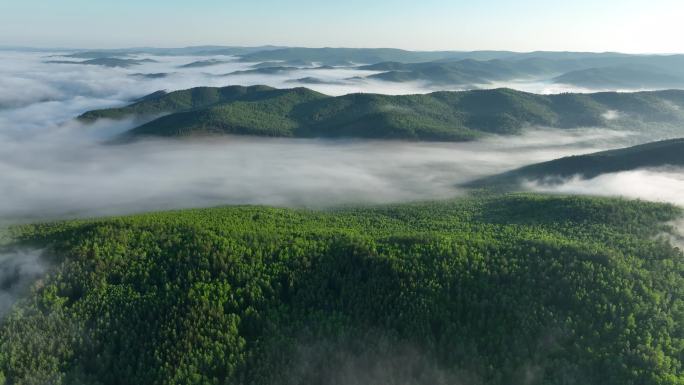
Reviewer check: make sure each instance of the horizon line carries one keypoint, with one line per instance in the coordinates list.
(7, 47)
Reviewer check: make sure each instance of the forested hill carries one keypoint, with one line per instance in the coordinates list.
(447, 116)
(656, 154)
(502, 290)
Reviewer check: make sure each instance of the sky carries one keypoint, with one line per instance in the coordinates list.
(634, 26)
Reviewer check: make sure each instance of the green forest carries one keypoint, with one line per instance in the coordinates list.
(495, 289)
(439, 116)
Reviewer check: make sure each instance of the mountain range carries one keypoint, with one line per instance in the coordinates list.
(439, 116)
(596, 71)
(106, 62)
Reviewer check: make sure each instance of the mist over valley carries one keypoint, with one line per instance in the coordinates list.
(54, 164)
(287, 215)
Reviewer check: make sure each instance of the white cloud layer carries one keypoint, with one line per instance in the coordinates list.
(52, 166)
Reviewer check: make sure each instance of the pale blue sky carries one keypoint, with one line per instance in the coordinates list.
(521, 25)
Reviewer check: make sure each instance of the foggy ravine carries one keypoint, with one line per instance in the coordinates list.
(52, 166)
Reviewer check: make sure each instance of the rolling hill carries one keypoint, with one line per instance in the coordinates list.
(445, 116)
(649, 155)
(497, 290)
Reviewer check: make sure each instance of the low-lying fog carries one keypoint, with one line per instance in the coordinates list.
(19, 269)
(665, 184)
(52, 166)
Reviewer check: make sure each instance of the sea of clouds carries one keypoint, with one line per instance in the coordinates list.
(52, 166)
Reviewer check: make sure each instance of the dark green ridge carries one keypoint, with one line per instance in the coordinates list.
(441, 116)
(650, 155)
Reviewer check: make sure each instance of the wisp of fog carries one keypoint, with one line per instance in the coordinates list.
(19, 269)
(665, 184)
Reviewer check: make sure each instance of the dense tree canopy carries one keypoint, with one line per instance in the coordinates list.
(516, 289)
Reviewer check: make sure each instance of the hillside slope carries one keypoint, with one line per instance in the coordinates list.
(656, 154)
(510, 290)
(447, 116)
